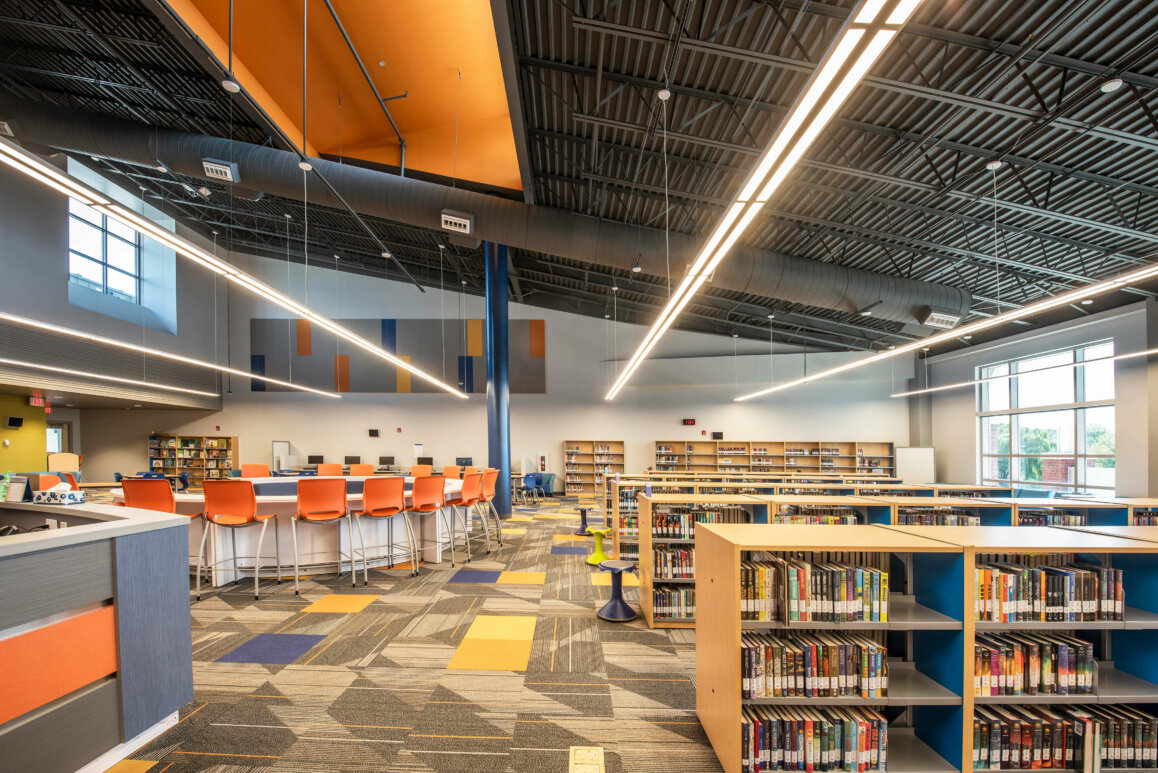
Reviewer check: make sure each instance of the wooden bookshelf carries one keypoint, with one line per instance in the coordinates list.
(200, 456)
(770, 456)
(1071, 512)
(932, 590)
(1140, 511)
(929, 611)
(969, 490)
(587, 462)
(988, 511)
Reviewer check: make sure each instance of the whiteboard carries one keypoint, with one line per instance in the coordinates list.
(916, 465)
(281, 449)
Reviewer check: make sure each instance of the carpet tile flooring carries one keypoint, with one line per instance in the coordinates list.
(498, 665)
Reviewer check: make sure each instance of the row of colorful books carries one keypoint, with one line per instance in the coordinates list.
(1050, 518)
(673, 603)
(1012, 592)
(673, 563)
(813, 665)
(679, 522)
(1082, 738)
(796, 590)
(937, 516)
(830, 738)
(1033, 664)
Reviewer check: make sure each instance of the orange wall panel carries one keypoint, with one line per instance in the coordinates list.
(403, 375)
(474, 338)
(341, 373)
(305, 340)
(538, 338)
(50, 662)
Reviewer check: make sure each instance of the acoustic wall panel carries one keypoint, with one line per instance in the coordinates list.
(452, 350)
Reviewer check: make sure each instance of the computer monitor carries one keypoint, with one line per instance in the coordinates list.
(319, 459)
(385, 461)
(464, 461)
(425, 460)
(353, 460)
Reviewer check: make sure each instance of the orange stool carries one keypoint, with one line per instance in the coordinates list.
(490, 479)
(421, 470)
(362, 470)
(427, 497)
(323, 501)
(453, 472)
(468, 500)
(232, 504)
(255, 470)
(384, 497)
(329, 470)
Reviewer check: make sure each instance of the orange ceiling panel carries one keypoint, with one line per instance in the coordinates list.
(416, 47)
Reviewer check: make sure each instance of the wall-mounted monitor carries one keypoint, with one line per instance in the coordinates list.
(15, 422)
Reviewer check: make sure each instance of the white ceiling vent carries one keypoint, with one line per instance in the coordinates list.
(6, 129)
(938, 318)
(221, 170)
(457, 222)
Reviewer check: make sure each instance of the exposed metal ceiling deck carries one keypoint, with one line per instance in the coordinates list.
(896, 184)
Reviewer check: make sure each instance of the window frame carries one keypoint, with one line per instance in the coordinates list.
(1079, 456)
(103, 259)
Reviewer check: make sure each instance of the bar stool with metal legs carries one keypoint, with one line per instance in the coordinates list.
(385, 498)
(487, 500)
(232, 504)
(323, 501)
(468, 501)
(428, 497)
(452, 472)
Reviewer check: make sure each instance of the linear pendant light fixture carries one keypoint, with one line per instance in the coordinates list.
(25, 321)
(33, 166)
(1073, 296)
(102, 377)
(859, 45)
(1034, 371)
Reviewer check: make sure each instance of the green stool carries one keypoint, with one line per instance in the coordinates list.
(598, 557)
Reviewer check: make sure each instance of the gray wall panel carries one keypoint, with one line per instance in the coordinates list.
(64, 735)
(49, 582)
(154, 642)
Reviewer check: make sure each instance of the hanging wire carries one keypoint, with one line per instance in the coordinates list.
(289, 331)
(736, 363)
(996, 258)
(442, 306)
(615, 332)
(305, 172)
(666, 205)
(457, 114)
(771, 354)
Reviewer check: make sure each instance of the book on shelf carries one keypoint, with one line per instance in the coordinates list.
(1049, 517)
(1144, 518)
(823, 515)
(1078, 737)
(679, 521)
(673, 563)
(936, 516)
(794, 590)
(674, 603)
(828, 738)
(1033, 664)
(813, 665)
(1016, 591)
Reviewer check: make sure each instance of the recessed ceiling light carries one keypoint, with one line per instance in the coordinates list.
(994, 165)
(337, 256)
(305, 166)
(636, 268)
(614, 288)
(1087, 301)
(230, 85)
(1113, 84)
(386, 254)
(664, 95)
(771, 316)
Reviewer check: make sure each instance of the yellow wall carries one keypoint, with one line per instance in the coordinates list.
(28, 451)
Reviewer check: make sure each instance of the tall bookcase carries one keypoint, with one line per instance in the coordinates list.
(587, 462)
(764, 456)
(931, 631)
(201, 456)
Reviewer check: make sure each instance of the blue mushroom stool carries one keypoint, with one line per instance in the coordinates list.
(616, 610)
(582, 530)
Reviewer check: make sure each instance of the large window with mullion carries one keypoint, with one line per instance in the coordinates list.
(104, 254)
(1047, 421)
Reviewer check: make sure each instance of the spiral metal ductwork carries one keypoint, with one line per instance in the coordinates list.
(546, 230)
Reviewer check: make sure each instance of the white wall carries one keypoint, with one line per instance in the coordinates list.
(954, 425)
(692, 376)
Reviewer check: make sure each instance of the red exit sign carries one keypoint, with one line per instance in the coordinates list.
(689, 422)
(36, 401)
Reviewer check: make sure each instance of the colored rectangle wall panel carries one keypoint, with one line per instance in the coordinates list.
(305, 340)
(474, 338)
(403, 375)
(538, 338)
(50, 662)
(341, 373)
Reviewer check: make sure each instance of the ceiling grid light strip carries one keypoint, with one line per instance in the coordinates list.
(27, 322)
(37, 168)
(860, 44)
(1073, 296)
(102, 377)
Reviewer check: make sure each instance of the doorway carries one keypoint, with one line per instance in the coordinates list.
(59, 437)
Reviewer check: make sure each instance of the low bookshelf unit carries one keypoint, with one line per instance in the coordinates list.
(201, 457)
(772, 456)
(587, 462)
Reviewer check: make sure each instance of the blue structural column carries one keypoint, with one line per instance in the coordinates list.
(498, 377)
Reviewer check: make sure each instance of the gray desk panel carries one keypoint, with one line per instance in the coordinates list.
(48, 582)
(65, 735)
